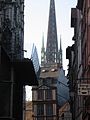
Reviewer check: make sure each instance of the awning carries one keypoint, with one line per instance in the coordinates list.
(24, 72)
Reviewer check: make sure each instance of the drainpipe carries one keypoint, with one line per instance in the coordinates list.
(12, 83)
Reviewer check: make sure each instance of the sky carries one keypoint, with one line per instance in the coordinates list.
(36, 16)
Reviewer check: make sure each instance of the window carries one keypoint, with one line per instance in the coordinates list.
(49, 109)
(47, 81)
(40, 109)
(50, 118)
(54, 81)
(48, 94)
(40, 81)
(40, 94)
(40, 118)
(62, 116)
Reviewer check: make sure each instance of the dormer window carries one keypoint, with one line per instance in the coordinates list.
(44, 70)
(53, 70)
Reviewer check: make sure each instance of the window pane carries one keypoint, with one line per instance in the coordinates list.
(54, 81)
(48, 94)
(50, 118)
(49, 110)
(40, 118)
(40, 94)
(40, 109)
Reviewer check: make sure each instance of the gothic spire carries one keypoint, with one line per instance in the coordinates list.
(52, 43)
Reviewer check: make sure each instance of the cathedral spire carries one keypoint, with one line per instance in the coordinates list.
(52, 43)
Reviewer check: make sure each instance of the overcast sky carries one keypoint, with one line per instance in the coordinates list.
(36, 23)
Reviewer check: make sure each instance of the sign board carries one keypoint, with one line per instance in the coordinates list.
(84, 89)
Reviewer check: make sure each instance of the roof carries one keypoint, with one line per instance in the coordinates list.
(64, 108)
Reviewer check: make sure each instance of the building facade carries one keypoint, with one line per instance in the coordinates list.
(14, 68)
(78, 55)
(44, 96)
(12, 27)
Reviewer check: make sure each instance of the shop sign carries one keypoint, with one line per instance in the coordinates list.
(83, 89)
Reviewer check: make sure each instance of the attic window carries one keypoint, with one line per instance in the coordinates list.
(53, 70)
(44, 70)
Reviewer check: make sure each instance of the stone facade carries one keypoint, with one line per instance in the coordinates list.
(44, 97)
(15, 70)
(78, 55)
(28, 111)
(12, 27)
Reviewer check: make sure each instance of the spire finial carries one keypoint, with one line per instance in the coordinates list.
(43, 51)
(43, 40)
(60, 52)
(60, 43)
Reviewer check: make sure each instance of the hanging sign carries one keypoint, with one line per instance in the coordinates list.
(83, 89)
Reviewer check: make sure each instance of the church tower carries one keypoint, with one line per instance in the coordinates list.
(52, 43)
(44, 96)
